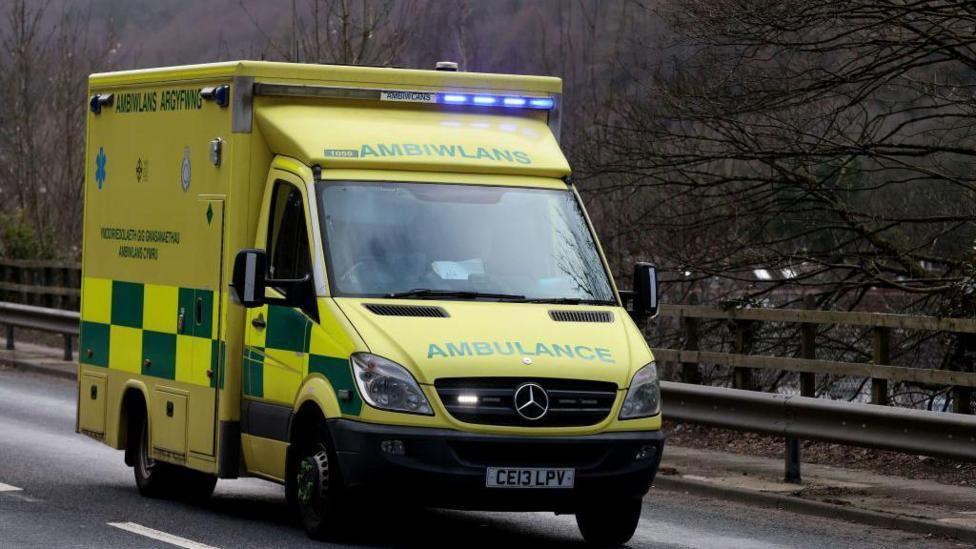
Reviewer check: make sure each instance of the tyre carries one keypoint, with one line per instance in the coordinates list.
(317, 487)
(156, 480)
(609, 524)
(193, 485)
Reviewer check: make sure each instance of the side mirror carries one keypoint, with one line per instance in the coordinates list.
(645, 291)
(248, 279)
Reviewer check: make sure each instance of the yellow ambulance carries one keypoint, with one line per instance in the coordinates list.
(374, 286)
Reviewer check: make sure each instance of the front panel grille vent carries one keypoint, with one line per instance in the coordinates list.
(581, 316)
(491, 401)
(388, 309)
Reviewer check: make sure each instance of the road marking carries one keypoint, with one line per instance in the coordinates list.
(9, 488)
(159, 536)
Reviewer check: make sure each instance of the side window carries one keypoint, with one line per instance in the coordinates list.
(288, 252)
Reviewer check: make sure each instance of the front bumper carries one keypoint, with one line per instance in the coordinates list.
(446, 468)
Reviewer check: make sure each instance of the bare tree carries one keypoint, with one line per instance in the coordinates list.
(45, 58)
(829, 144)
(345, 32)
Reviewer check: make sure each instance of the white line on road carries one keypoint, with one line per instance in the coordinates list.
(9, 488)
(159, 536)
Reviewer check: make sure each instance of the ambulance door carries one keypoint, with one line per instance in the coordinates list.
(277, 335)
(199, 329)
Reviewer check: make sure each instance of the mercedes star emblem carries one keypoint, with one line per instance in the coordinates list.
(531, 401)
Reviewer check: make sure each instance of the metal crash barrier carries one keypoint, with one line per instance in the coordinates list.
(15, 315)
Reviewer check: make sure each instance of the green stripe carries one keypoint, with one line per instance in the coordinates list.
(339, 373)
(160, 350)
(217, 363)
(254, 372)
(204, 324)
(95, 340)
(288, 329)
(127, 304)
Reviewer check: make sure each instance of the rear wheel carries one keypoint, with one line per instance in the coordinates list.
(609, 523)
(317, 487)
(156, 479)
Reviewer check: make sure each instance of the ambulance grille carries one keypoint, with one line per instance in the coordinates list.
(572, 402)
(581, 316)
(425, 311)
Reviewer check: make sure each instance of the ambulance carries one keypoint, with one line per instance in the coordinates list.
(374, 286)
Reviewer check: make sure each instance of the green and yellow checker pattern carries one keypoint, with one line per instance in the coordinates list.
(279, 358)
(161, 331)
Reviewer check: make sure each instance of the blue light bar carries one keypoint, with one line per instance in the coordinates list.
(484, 100)
(542, 103)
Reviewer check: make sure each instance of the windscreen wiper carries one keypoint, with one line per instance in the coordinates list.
(570, 301)
(428, 293)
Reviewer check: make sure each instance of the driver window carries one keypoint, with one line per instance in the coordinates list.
(288, 253)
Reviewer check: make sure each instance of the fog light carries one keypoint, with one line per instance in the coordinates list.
(393, 447)
(646, 451)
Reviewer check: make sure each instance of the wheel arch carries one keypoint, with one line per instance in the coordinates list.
(318, 391)
(133, 404)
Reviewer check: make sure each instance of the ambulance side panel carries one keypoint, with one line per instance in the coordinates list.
(160, 224)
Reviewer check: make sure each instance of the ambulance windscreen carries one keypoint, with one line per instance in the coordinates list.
(459, 241)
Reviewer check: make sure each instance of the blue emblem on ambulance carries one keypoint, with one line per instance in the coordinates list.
(100, 167)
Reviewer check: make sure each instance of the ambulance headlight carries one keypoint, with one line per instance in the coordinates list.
(644, 396)
(386, 385)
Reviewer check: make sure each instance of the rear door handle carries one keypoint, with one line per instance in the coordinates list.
(259, 323)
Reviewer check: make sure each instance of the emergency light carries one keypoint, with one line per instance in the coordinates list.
(483, 100)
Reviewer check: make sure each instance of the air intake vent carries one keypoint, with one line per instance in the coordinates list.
(406, 310)
(581, 316)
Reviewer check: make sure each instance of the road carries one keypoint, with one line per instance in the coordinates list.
(60, 489)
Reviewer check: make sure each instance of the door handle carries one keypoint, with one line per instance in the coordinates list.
(259, 323)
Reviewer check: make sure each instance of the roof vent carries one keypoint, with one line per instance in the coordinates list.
(581, 316)
(426, 311)
(450, 66)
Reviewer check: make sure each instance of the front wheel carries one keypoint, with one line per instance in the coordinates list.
(317, 488)
(609, 524)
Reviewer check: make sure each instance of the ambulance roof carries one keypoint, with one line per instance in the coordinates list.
(335, 75)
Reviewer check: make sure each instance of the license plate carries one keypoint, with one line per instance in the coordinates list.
(529, 477)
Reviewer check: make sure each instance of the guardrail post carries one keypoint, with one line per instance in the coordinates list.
(742, 377)
(962, 400)
(792, 461)
(689, 370)
(882, 355)
(67, 347)
(808, 388)
(10, 337)
(808, 349)
(962, 397)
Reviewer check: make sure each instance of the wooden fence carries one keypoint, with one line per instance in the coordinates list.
(879, 369)
(45, 283)
(56, 284)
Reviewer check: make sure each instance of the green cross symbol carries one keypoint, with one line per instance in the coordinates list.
(209, 213)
